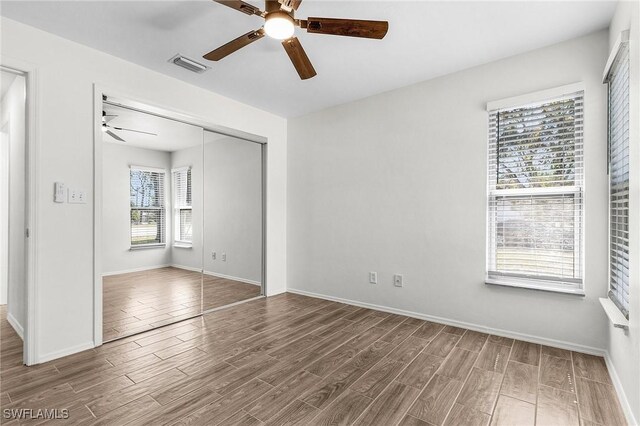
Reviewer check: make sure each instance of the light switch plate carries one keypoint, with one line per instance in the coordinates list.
(59, 192)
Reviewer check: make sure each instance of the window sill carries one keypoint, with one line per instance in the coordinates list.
(615, 316)
(540, 287)
(147, 246)
(183, 245)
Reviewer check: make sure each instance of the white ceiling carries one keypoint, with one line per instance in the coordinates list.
(170, 135)
(426, 39)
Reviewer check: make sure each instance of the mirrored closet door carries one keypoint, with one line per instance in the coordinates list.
(233, 220)
(152, 216)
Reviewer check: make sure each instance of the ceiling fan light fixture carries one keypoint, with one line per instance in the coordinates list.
(279, 25)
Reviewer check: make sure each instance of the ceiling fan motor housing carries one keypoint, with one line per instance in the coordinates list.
(273, 10)
(273, 6)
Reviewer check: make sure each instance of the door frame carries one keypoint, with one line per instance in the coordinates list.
(134, 102)
(30, 73)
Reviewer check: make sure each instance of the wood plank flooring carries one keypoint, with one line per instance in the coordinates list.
(218, 292)
(291, 359)
(140, 301)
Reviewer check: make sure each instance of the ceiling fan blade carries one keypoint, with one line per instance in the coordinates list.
(107, 117)
(290, 4)
(132, 130)
(241, 6)
(346, 27)
(233, 45)
(113, 135)
(299, 58)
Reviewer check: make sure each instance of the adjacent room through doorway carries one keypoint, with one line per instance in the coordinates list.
(13, 248)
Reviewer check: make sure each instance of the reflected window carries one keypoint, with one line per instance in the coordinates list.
(182, 206)
(147, 201)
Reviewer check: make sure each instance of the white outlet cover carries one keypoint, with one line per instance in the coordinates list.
(397, 280)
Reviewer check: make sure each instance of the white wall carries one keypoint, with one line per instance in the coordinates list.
(624, 347)
(13, 114)
(233, 207)
(396, 183)
(4, 212)
(66, 73)
(230, 192)
(116, 224)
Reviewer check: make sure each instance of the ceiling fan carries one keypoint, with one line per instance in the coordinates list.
(280, 24)
(106, 128)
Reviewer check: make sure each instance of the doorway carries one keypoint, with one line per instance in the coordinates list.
(13, 213)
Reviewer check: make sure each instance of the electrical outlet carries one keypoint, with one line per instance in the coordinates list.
(373, 277)
(76, 196)
(224, 257)
(397, 280)
(213, 255)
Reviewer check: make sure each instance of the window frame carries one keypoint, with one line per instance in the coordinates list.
(575, 286)
(177, 241)
(622, 42)
(162, 208)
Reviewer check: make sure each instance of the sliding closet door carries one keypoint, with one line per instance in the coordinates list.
(152, 200)
(233, 220)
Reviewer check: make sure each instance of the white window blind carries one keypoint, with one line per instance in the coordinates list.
(618, 122)
(147, 201)
(535, 205)
(182, 205)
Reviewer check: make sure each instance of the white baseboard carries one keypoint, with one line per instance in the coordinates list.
(16, 325)
(216, 274)
(186, 268)
(476, 327)
(622, 396)
(126, 271)
(231, 277)
(64, 352)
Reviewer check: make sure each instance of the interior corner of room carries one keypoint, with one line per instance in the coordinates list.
(331, 237)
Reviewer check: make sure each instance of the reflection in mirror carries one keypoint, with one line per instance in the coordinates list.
(151, 221)
(233, 239)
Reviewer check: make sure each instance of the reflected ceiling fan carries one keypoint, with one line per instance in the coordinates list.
(106, 127)
(280, 24)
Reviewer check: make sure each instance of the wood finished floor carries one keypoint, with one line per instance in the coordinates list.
(290, 359)
(140, 301)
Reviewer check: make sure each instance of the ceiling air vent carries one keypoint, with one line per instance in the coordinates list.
(189, 64)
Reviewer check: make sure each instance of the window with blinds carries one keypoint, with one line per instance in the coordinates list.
(618, 123)
(535, 200)
(147, 206)
(182, 206)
